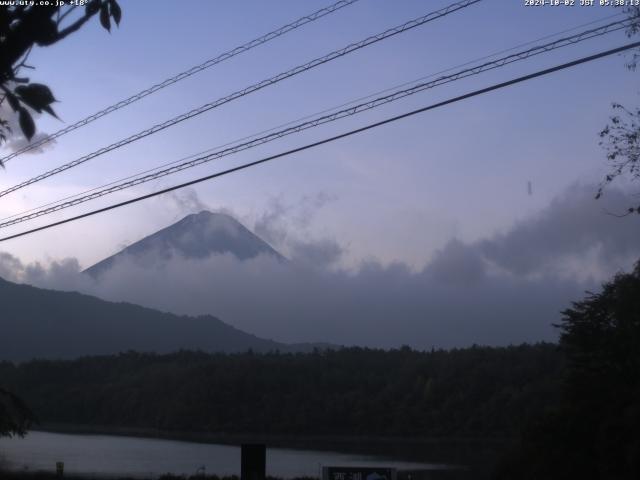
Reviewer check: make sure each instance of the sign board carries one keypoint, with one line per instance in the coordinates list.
(358, 473)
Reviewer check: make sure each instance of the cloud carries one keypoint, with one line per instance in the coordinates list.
(10, 267)
(298, 215)
(380, 306)
(59, 275)
(323, 253)
(574, 235)
(15, 139)
(508, 288)
(375, 305)
(458, 263)
(286, 228)
(187, 201)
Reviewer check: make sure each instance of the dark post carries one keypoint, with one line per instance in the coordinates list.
(253, 461)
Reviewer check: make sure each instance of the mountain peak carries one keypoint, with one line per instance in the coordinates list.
(210, 221)
(197, 235)
(207, 215)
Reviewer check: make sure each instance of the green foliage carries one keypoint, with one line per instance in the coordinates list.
(621, 137)
(594, 434)
(633, 13)
(24, 26)
(621, 140)
(470, 392)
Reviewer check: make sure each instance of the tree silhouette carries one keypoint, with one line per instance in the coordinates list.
(595, 431)
(601, 336)
(21, 28)
(15, 416)
(621, 137)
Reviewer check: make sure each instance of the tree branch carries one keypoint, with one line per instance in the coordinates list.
(75, 26)
(71, 8)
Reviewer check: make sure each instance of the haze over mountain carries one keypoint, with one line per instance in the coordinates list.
(39, 323)
(42, 323)
(497, 290)
(196, 236)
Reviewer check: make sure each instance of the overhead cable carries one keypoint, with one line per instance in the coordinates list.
(347, 112)
(248, 90)
(182, 75)
(475, 93)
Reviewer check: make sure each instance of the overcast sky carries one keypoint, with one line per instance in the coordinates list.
(405, 193)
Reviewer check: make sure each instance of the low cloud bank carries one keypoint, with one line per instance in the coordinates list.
(505, 289)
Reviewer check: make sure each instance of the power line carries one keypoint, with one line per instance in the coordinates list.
(306, 117)
(351, 102)
(138, 180)
(185, 74)
(255, 87)
(475, 93)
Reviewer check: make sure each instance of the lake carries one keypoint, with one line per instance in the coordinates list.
(104, 455)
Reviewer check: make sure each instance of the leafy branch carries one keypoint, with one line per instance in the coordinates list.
(23, 27)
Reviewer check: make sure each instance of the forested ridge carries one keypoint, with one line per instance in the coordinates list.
(477, 391)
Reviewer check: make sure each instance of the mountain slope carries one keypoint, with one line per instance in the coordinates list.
(195, 236)
(38, 323)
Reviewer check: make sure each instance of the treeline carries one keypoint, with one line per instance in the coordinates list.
(476, 391)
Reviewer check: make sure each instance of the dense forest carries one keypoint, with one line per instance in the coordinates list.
(472, 392)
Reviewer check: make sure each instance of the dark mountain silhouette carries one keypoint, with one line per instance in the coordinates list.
(195, 236)
(38, 323)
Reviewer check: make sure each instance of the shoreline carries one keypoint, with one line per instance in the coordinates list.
(454, 450)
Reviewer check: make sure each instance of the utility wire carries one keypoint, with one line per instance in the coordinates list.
(500, 62)
(359, 99)
(246, 91)
(182, 75)
(475, 93)
(307, 117)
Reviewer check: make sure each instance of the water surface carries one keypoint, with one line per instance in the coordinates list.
(104, 455)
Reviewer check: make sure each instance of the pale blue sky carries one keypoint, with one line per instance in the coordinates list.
(397, 193)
